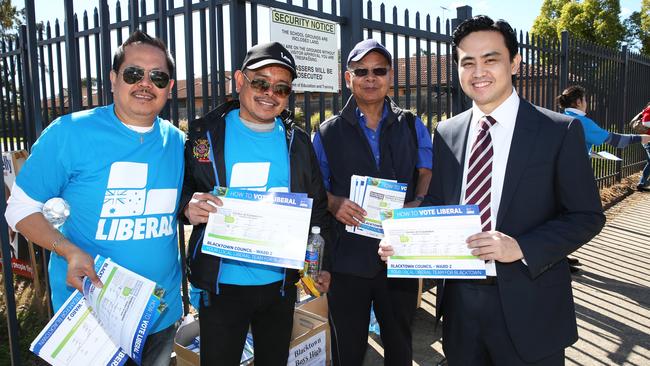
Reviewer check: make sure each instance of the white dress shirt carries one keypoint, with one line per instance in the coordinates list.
(501, 133)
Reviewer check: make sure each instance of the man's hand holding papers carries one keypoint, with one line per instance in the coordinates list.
(259, 227)
(200, 207)
(102, 326)
(430, 242)
(373, 196)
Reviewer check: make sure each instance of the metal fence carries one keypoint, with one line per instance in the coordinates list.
(47, 71)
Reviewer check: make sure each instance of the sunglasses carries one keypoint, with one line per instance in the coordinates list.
(281, 90)
(134, 74)
(380, 71)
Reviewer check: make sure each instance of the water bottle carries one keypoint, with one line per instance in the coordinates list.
(313, 256)
(56, 210)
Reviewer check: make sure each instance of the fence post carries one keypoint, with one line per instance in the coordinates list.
(352, 12)
(133, 15)
(31, 79)
(12, 321)
(564, 60)
(620, 125)
(72, 59)
(161, 32)
(237, 38)
(189, 59)
(105, 40)
(459, 103)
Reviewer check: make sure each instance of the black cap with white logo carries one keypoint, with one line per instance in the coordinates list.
(269, 54)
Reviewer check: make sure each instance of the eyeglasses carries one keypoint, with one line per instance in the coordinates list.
(380, 71)
(134, 74)
(281, 90)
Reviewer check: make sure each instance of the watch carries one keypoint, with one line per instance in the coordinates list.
(419, 198)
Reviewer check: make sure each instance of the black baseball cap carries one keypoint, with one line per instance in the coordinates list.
(269, 54)
(362, 48)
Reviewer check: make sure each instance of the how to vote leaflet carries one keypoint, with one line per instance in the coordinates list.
(375, 195)
(430, 242)
(104, 325)
(259, 227)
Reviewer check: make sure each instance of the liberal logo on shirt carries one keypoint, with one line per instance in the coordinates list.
(130, 211)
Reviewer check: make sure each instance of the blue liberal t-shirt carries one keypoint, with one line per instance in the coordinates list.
(123, 189)
(255, 161)
(594, 134)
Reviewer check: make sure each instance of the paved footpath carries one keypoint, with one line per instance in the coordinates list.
(612, 296)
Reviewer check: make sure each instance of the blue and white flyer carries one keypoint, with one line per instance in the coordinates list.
(106, 325)
(259, 227)
(375, 195)
(430, 242)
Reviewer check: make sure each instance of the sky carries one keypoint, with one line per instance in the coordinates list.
(519, 13)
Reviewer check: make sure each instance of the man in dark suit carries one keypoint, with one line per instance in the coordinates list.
(525, 168)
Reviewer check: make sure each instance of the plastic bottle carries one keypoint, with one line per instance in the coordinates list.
(313, 257)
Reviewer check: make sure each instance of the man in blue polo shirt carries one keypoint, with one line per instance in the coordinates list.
(120, 168)
(374, 137)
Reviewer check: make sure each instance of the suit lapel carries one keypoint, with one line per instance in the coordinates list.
(523, 141)
(458, 148)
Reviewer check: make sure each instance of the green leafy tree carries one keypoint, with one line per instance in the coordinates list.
(594, 20)
(644, 34)
(633, 30)
(591, 20)
(545, 25)
(10, 17)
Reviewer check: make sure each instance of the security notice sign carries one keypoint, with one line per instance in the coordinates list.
(312, 42)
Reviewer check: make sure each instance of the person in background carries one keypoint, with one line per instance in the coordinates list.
(644, 115)
(574, 102)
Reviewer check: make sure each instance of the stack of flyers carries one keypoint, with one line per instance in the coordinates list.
(375, 195)
(102, 326)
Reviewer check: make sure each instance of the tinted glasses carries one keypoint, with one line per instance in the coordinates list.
(281, 90)
(133, 74)
(380, 71)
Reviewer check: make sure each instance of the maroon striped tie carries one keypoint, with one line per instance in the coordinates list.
(479, 173)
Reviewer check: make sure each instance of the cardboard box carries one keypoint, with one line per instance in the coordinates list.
(310, 344)
(184, 337)
(310, 338)
(21, 261)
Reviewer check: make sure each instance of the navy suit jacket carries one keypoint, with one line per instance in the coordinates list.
(550, 204)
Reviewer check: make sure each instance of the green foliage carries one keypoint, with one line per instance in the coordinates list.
(9, 17)
(644, 34)
(314, 120)
(637, 29)
(545, 25)
(633, 30)
(591, 20)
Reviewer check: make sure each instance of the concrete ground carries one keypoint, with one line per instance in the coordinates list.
(611, 291)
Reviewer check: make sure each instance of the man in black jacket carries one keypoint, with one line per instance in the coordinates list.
(250, 143)
(371, 137)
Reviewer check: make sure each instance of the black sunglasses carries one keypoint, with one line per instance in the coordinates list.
(380, 71)
(133, 74)
(281, 90)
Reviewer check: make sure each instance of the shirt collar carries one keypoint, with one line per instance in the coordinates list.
(505, 114)
(362, 117)
(575, 111)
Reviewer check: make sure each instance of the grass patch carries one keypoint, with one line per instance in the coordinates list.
(32, 317)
